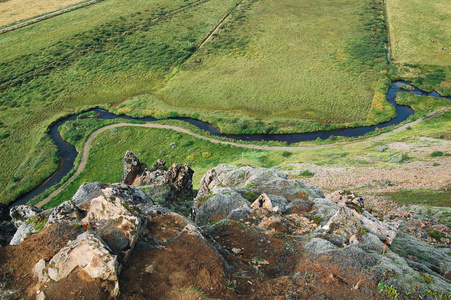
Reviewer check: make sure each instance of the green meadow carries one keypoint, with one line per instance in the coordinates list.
(419, 30)
(288, 59)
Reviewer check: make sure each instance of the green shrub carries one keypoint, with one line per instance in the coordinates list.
(306, 173)
(437, 153)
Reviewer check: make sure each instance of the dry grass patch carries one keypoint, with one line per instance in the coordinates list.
(12, 11)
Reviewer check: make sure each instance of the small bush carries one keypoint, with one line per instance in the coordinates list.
(437, 153)
(306, 173)
(286, 153)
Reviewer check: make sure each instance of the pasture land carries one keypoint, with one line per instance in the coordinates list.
(12, 11)
(99, 55)
(419, 30)
(312, 60)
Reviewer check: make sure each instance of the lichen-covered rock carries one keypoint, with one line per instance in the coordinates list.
(115, 223)
(66, 211)
(219, 206)
(348, 222)
(296, 206)
(324, 210)
(24, 230)
(86, 192)
(89, 253)
(258, 180)
(341, 197)
(19, 214)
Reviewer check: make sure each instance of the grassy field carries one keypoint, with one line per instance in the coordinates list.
(124, 51)
(12, 11)
(106, 154)
(419, 30)
(287, 59)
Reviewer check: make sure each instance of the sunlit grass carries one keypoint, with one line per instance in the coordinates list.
(419, 30)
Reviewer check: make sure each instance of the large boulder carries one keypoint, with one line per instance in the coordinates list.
(257, 180)
(89, 253)
(219, 205)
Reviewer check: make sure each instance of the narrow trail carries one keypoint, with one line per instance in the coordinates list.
(87, 145)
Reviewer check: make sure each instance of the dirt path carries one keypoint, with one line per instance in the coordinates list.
(87, 146)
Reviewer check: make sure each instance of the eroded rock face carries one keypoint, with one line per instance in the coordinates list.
(19, 214)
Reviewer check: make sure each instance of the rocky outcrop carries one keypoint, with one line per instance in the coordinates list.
(257, 180)
(257, 234)
(179, 178)
(133, 168)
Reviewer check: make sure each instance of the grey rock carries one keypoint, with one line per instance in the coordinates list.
(347, 221)
(22, 232)
(325, 209)
(159, 193)
(86, 192)
(19, 214)
(297, 206)
(219, 205)
(280, 202)
(258, 180)
(437, 259)
(241, 214)
(320, 246)
(66, 211)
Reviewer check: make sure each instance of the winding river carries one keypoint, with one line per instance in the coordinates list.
(68, 152)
